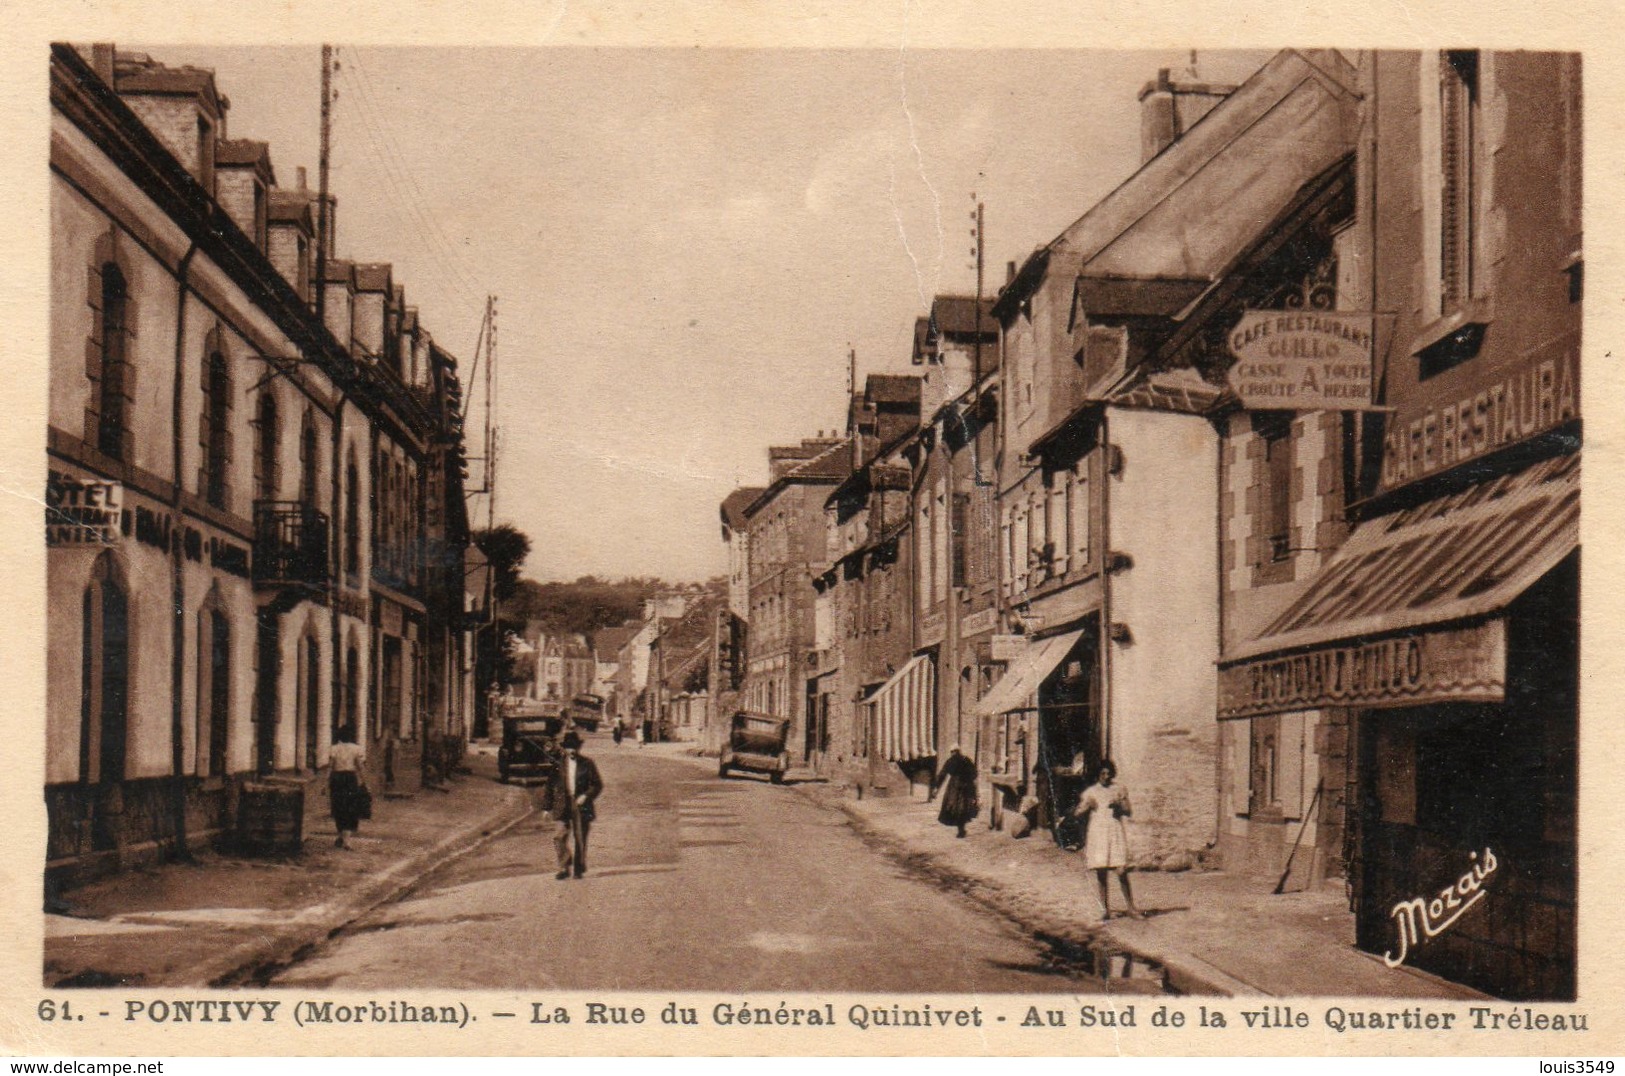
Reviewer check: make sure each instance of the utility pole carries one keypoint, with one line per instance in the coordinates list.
(976, 361)
(322, 222)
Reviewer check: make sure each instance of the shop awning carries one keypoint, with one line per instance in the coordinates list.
(904, 713)
(1455, 558)
(1025, 673)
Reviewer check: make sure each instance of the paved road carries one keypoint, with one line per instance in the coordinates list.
(695, 884)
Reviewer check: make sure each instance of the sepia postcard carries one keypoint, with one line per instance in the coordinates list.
(605, 531)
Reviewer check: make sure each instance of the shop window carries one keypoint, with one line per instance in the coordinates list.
(1276, 750)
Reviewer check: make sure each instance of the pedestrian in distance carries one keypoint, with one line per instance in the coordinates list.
(347, 793)
(957, 778)
(1102, 807)
(571, 793)
(648, 731)
(618, 733)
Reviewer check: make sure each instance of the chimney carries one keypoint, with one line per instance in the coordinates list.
(1169, 107)
(301, 172)
(101, 61)
(1009, 273)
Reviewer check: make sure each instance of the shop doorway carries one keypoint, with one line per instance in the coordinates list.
(1070, 730)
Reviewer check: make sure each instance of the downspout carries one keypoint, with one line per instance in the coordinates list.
(336, 559)
(177, 560)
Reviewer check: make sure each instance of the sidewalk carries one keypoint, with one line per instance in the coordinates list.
(215, 921)
(1212, 932)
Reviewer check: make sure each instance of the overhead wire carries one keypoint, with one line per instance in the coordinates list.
(401, 178)
(390, 172)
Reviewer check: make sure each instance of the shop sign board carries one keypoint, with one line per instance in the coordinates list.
(1453, 665)
(1497, 408)
(1008, 647)
(1302, 360)
(979, 622)
(82, 511)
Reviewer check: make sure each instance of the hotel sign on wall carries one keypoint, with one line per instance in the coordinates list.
(82, 511)
(1455, 665)
(1302, 360)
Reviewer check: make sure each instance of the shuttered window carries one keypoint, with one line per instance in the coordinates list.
(1460, 131)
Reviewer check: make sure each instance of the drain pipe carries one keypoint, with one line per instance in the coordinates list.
(336, 560)
(177, 560)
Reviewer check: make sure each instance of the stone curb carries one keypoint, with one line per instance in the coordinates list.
(237, 963)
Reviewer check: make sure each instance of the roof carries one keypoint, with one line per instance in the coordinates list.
(373, 276)
(734, 505)
(136, 72)
(955, 315)
(1182, 215)
(608, 641)
(340, 271)
(831, 465)
(238, 152)
(293, 206)
(892, 389)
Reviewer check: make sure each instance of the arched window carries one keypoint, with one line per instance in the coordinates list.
(214, 430)
(103, 717)
(214, 687)
(267, 450)
(115, 389)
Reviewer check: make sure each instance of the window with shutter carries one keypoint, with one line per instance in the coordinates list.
(1459, 160)
(214, 429)
(1080, 512)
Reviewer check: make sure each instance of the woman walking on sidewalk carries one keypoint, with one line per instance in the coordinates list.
(959, 804)
(347, 796)
(1102, 807)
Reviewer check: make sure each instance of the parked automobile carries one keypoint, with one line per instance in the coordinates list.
(529, 748)
(756, 744)
(587, 711)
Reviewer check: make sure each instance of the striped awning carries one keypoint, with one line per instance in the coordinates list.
(1458, 557)
(903, 713)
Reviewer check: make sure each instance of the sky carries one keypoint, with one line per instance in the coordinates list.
(684, 243)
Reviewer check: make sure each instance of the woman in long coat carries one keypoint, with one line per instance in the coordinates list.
(959, 804)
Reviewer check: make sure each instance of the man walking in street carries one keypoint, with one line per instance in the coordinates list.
(573, 788)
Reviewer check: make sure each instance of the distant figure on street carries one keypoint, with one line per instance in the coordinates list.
(959, 804)
(570, 794)
(346, 794)
(648, 732)
(619, 732)
(1103, 806)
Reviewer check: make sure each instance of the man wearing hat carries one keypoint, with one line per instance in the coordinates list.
(574, 786)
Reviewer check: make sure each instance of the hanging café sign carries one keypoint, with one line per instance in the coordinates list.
(1299, 360)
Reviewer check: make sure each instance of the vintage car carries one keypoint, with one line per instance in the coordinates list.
(529, 748)
(756, 743)
(587, 711)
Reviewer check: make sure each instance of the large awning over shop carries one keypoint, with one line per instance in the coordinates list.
(1368, 630)
(904, 713)
(1025, 673)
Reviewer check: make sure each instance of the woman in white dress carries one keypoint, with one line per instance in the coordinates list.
(1103, 806)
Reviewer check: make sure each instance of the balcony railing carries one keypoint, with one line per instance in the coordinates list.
(290, 544)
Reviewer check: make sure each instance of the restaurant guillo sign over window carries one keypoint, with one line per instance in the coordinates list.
(1451, 665)
(1302, 360)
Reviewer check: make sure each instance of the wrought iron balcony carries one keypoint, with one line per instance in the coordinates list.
(290, 544)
